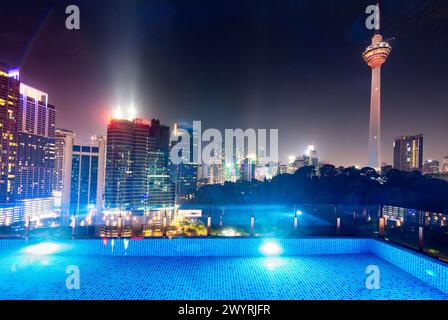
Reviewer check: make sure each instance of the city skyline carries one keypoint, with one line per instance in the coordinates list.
(302, 97)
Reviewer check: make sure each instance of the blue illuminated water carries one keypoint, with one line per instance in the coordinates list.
(29, 276)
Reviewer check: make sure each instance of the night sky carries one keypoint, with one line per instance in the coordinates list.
(291, 65)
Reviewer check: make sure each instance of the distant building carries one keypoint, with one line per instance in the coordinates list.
(311, 158)
(247, 169)
(445, 165)
(408, 153)
(431, 167)
(282, 168)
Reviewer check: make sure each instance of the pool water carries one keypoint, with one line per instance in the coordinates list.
(102, 277)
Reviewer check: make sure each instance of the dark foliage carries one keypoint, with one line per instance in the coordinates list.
(335, 186)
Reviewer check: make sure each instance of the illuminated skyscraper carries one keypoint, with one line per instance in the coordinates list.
(184, 175)
(9, 105)
(408, 153)
(87, 176)
(375, 56)
(36, 125)
(137, 176)
(127, 158)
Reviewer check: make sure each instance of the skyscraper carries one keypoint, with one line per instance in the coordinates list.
(128, 146)
(64, 140)
(35, 161)
(375, 56)
(9, 105)
(87, 176)
(408, 153)
(184, 175)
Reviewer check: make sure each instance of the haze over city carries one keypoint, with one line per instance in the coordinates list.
(295, 66)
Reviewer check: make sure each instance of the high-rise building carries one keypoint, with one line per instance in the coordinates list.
(408, 153)
(137, 175)
(184, 175)
(64, 141)
(431, 167)
(161, 135)
(375, 56)
(127, 158)
(87, 176)
(247, 168)
(9, 106)
(160, 193)
(36, 151)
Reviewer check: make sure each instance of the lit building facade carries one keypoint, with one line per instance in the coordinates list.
(127, 157)
(137, 175)
(87, 176)
(160, 192)
(431, 167)
(9, 106)
(184, 175)
(36, 151)
(64, 141)
(445, 165)
(408, 153)
(375, 56)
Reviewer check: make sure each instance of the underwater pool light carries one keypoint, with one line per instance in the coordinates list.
(42, 248)
(430, 273)
(270, 248)
(299, 213)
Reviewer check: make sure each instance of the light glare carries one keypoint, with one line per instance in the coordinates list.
(42, 248)
(270, 248)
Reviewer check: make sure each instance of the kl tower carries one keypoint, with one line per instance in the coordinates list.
(375, 55)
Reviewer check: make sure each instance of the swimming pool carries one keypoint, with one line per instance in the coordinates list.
(210, 268)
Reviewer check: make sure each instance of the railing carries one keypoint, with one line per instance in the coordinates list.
(416, 229)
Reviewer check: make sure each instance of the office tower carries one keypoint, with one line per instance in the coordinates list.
(64, 141)
(247, 168)
(36, 151)
(431, 167)
(375, 56)
(161, 135)
(408, 153)
(445, 165)
(127, 158)
(310, 157)
(9, 105)
(184, 175)
(87, 176)
(137, 175)
(160, 191)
